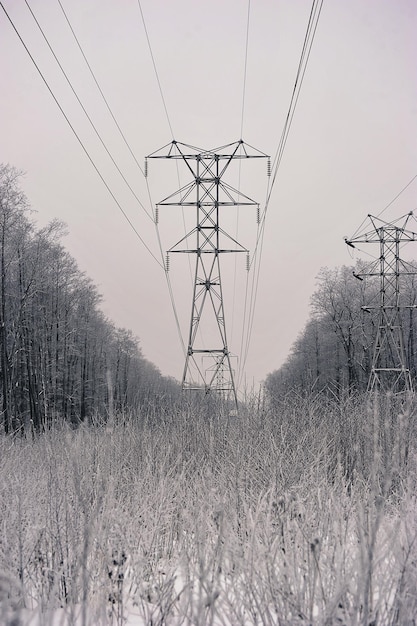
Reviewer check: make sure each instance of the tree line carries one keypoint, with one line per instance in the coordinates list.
(60, 357)
(334, 350)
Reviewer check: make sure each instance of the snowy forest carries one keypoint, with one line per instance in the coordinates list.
(60, 357)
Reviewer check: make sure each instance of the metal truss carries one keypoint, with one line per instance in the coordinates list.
(209, 194)
(390, 372)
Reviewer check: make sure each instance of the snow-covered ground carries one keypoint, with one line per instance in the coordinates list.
(196, 521)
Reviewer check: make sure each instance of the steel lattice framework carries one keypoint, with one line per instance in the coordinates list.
(389, 371)
(210, 195)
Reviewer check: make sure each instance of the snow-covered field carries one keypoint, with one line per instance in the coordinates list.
(302, 516)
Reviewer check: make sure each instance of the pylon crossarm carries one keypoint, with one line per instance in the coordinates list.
(389, 231)
(373, 274)
(257, 154)
(203, 252)
(376, 238)
(172, 150)
(168, 151)
(187, 236)
(183, 193)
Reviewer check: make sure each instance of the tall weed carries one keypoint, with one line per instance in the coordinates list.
(304, 515)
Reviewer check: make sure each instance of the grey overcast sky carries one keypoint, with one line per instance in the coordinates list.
(352, 145)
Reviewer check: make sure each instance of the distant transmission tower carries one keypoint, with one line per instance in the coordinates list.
(210, 195)
(389, 371)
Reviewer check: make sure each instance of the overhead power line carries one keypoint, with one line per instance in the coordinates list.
(158, 234)
(85, 111)
(245, 67)
(252, 289)
(77, 136)
(99, 88)
(309, 37)
(245, 70)
(155, 69)
(397, 196)
(302, 66)
(162, 263)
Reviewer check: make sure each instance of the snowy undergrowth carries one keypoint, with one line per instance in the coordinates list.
(261, 519)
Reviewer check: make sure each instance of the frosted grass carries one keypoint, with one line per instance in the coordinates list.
(302, 516)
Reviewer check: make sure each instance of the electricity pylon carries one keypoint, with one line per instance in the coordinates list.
(389, 371)
(210, 195)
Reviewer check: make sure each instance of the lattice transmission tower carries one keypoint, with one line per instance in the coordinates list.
(390, 371)
(210, 195)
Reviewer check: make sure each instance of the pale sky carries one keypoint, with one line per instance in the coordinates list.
(351, 149)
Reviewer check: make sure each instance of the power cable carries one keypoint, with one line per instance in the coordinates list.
(77, 136)
(387, 206)
(314, 17)
(99, 88)
(252, 302)
(155, 68)
(245, 66)
(167, 277)
(305, 55)
(245, 70)
(397, 196)
(170, 291)
(158, 234)
(91, 122)
(165, 109)
(164, 105)
(85, 111)
(169, 284)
